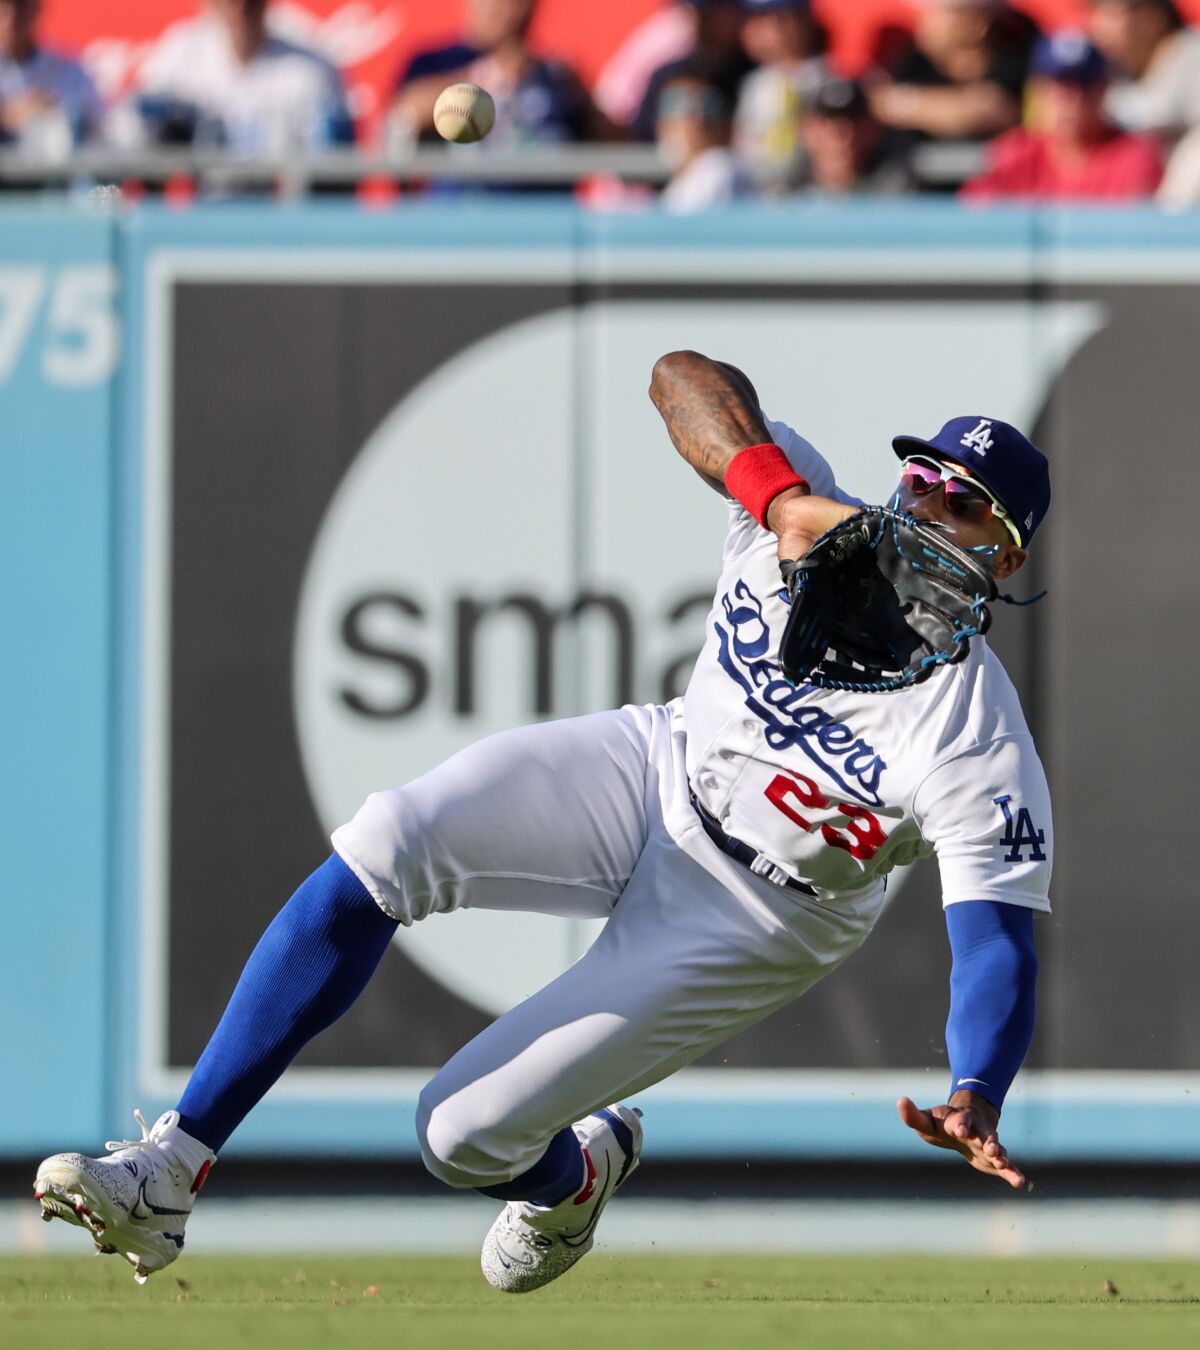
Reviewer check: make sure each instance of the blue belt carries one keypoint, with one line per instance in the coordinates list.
(739, 851)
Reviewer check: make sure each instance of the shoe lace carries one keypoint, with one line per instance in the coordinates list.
(520, 1225)
(151, 1135)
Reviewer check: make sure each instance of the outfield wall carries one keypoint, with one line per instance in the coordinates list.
(303, 500)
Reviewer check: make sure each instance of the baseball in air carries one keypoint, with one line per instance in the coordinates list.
(464, 113)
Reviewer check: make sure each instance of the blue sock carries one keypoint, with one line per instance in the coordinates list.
(309, 966)
(558, 1173)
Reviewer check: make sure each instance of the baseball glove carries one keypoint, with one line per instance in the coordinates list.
(880, 602)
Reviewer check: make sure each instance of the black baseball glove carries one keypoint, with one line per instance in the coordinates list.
(880, 602)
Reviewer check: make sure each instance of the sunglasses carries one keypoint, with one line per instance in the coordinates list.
(965, 498)
(707, 104)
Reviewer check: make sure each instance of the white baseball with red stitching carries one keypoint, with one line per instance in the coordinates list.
(464, 113)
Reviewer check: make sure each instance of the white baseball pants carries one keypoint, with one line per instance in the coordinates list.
(588, 817)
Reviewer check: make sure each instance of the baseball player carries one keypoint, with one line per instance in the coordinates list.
(736, 839)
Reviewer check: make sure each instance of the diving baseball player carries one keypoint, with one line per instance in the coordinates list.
(736, 840)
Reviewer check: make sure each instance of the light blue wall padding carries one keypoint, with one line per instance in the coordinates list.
(58, 342)
(71, 465)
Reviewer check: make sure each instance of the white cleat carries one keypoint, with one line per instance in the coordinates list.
(530, 1245)
(136, 1202)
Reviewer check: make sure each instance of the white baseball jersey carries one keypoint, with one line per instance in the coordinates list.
(284, 99)
(838, 788)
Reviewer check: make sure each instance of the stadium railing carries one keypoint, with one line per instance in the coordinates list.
(936, 165)
(294, 176)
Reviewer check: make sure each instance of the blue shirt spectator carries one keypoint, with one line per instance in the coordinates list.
(537, 101)
(48, 102)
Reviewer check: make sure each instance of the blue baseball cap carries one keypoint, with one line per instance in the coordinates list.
(1004, 461)
(1069, 55)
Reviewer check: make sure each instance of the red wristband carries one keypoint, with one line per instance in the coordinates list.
(757, 475)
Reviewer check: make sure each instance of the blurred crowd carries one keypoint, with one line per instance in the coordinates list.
(740, 96)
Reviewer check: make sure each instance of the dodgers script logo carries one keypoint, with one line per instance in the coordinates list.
(780, 705)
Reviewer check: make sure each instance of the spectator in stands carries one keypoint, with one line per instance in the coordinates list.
(537, 101)
(963, 78)
(1157, 60)
(716, 44)
(1180, 187)
(694, 127)
(846, 151)
(1080, 154)
(660, 39)
(788, 43)
(48, 104)
(225, 79)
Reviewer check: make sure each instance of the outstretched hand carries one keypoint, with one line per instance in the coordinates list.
(800, 519)
(966, 1124)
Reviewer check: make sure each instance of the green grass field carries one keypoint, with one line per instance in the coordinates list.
(611, 1302)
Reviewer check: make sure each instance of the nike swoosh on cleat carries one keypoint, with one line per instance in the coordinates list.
(525, 1263)
(578, 1239)
(620, 1126)
(589, 1188)
(152, 1209)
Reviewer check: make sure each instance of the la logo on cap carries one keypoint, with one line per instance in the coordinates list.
(980, 439)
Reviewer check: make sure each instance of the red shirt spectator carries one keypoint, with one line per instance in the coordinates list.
(1080, 155)
(1025, 164)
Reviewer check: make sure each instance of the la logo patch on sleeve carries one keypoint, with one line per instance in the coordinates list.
(1020, 833)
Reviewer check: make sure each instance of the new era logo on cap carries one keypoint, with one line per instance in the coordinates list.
(1000, 457)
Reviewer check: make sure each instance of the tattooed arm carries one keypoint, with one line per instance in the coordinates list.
(711, 413)
(710, 409)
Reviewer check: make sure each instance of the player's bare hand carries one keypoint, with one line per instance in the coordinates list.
(967, 1124)
(799, 519)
